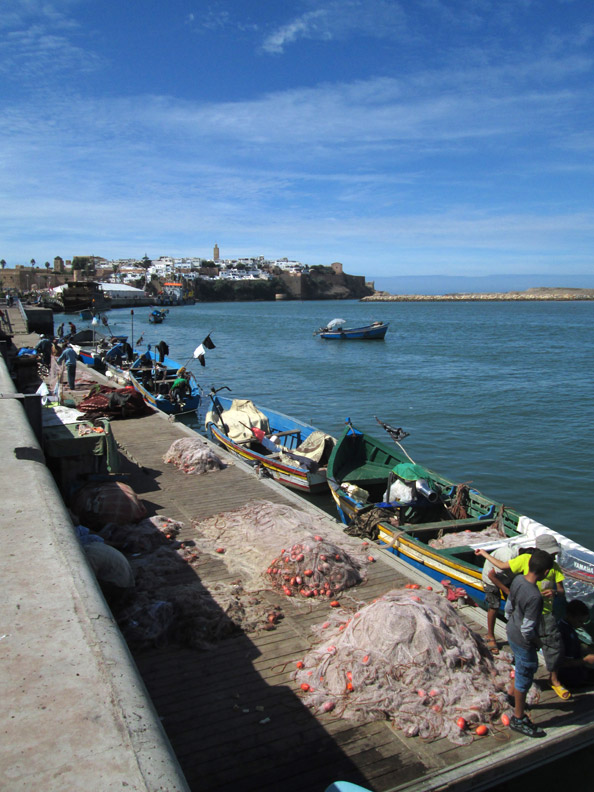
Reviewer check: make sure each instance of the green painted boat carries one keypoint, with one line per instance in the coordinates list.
(430, 522)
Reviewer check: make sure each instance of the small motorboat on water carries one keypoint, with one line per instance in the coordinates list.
(292, 452)
(431, 522)
(157, 316)
(336, 330)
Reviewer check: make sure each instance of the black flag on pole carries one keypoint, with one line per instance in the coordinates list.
(207, 343)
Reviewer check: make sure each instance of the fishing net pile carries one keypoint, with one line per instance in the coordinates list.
(459, 538)
(407, 657)
(97, 504)
(142, 537)
(248, 539)
(104, 401)
(366, 524)
(314, 567)
(171, 605)
(193, 455)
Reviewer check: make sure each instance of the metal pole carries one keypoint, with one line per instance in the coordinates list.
(132, 331)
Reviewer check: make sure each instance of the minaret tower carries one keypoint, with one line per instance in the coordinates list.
(215, 253)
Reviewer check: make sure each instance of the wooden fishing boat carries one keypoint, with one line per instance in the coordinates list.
(336, 331)
(154, 380)
(291, 452)
(432, 523)
(91, 346)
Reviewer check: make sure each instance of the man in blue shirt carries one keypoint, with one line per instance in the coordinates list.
(524, 607)
(44, 348)
(68, 357)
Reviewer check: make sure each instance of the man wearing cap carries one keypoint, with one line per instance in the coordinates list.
(551, 587)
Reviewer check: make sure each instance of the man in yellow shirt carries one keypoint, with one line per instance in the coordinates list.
(550, 588)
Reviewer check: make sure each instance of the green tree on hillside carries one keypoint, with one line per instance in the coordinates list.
(86, 263)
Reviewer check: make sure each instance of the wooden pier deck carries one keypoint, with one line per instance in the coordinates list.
(234, 717)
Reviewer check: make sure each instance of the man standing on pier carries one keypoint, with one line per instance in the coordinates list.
(68, 357)
(524, 606)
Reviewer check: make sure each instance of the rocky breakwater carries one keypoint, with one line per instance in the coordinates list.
(529, 294)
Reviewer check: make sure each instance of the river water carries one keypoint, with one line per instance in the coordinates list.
(500, 394)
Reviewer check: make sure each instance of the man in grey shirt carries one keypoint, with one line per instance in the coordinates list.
(524, 607)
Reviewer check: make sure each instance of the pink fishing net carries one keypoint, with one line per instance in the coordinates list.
(193, 455)
(171, 604)
(249, 538)
(407, 657)
(460, 538)
(314, 567)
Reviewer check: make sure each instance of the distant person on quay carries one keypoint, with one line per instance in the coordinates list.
(45, 348)
(68, 357)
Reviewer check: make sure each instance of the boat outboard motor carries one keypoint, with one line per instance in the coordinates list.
(423, 488)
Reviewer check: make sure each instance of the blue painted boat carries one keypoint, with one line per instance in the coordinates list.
(336, 331)
(91, 345)
(157, 317)
(291, 452)
(432, 523)
(154, 379)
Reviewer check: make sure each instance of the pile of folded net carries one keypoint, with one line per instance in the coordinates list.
(193, 455)
(407, 657)
(313, 567)
(104, 401)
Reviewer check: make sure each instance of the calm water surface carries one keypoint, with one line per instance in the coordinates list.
(500, 394)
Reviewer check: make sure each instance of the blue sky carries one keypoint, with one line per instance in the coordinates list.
(408, 137)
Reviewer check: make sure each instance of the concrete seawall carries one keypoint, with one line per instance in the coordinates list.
(75, 712)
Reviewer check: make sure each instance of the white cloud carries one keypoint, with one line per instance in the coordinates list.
(37, 43)
(430, 163)
(339, 19)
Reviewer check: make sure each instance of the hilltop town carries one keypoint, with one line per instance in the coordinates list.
(216, 279)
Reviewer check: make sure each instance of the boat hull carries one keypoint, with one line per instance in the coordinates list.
(292, 476)
(80, 295)
(368, 333)
(358, 472)
(155, 389)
